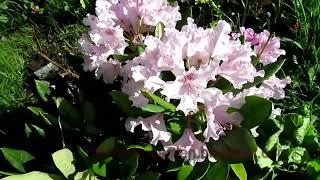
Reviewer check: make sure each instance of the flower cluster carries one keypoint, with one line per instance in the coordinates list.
(182, 66)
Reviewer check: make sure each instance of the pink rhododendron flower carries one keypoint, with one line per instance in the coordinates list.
(137, 16)
(188, 87)
(183, 67)
(98, 46)
(154, 123)
(274, 87)
(237, 67)
(218, 119)
(132, 88)
(268, 50)
(249, 35)
(109, 70)
(189, 148)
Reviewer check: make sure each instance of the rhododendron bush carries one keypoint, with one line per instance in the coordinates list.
(199, 93)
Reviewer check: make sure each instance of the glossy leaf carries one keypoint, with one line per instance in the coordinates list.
(255, 111)
(145, 147)
(106, 147)
(33, 129)
(239, 170)
(160, 101)
(263, 160)
(100, 169)
(217, 171)
(297, 155)
(153, 108)
(313, 166)
(175, 127)
(272, 141)
(131, 164)
(184, 172)
(300, 133)
(43, 88)
(236, 146)
(48, 118)
(123, 102)
(69, 112)
(199, 171)
(34, 175)
(63, 159)
(85, 175)
(16, 157)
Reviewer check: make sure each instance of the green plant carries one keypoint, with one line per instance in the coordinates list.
(15, 52)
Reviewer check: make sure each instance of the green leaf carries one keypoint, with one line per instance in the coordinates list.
(217, 171)
(145, 147)
(34, 175)
(300, 133)
(313, 166)
(89, 116)
(100, 168)
(84, 3)
(123, 57)
(30, 128)
(48, 118)
(222, 83)
(184, 172)
(272, 141)
(153, 108)
(148, 176)
(199, 171)
(123, 102)
(313, 71)
(263, 160)
(239, 170)
(69, 112)
(64, 161)
(131, 164)
(159, 32)
(3, 5)
(297, 155)
(237, 145)
(106, 147)
(16, 157)
(4, 19)
(175, 127)
(85, 175)
(83, 154)
(288, 40)
(89, 113)
(173, 166)
(255, 111)
(43, 88)
(160, 101)
(201, 1)
(4, 173)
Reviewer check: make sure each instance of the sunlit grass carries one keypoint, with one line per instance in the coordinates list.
(14, 53)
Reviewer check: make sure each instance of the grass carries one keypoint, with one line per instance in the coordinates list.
(308, 19)
(14, 54)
